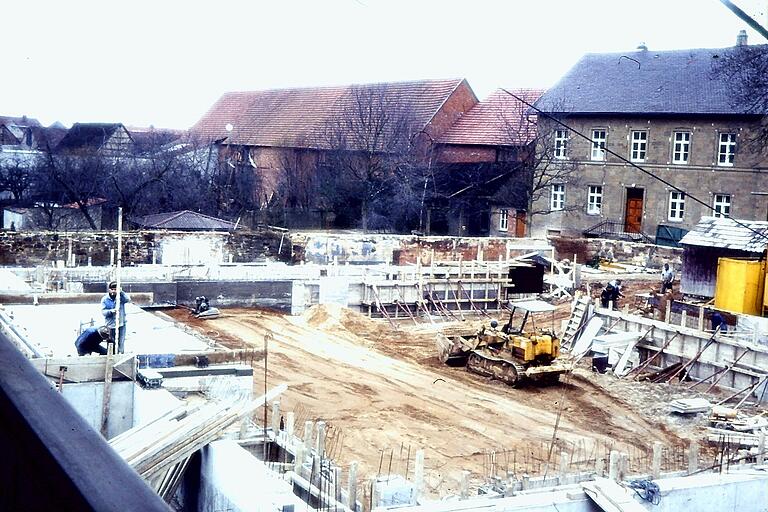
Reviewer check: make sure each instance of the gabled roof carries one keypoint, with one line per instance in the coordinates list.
(89, 135)
(647, 82)
(499, 120)
(23, 121)
(297, 117)
(183, 220)
(747, 235)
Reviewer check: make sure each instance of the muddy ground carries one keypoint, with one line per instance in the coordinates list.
(384, 394)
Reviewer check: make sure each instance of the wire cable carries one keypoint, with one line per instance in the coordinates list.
(758, 234)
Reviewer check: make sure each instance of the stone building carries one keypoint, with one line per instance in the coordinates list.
(657, 139)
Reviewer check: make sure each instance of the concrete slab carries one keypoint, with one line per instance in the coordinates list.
(55, 327)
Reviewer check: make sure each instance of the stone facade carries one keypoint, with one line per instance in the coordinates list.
(701, 177)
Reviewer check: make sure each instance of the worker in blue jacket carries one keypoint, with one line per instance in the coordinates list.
(90, 340)
(109, 308)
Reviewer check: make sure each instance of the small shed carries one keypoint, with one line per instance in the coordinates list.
(713, 238)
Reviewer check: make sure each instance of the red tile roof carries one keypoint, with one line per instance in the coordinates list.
(499, 120)
(298, 117)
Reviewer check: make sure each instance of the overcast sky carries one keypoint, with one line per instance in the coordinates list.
(164, 62)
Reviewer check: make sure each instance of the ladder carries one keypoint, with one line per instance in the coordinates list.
(575, 322)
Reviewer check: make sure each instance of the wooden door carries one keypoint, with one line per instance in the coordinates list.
(520, 224)
(633, 217)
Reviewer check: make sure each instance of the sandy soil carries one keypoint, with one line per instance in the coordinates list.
(384, 394)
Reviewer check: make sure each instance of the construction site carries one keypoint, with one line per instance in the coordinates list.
(432, 374)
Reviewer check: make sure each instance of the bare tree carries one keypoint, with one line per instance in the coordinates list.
(368, 157)
(17, 174)
(745, 69)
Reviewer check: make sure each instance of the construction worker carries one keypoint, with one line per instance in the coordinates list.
(667, 278)
(109, 308)
(90, 340)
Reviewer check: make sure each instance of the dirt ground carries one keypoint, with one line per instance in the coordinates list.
(384, 395)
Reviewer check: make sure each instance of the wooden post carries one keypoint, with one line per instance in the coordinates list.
(107, 389)
(658, 450)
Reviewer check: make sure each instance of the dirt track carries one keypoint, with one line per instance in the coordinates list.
(384, 395)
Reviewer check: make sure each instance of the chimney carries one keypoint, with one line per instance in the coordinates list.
(741, 39)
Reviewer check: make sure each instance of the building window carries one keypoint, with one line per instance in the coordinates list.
(676, 206)
(598, 145)
(726, 149)
(722, 205)
(561, 144)
(557, 199)
(595, 200)
(503, 220)
(682, 148)
(639, 146)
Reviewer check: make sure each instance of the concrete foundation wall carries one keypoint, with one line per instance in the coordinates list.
(653, 256)
(86, 399)
(232, 479)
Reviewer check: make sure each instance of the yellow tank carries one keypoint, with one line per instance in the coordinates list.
(740, 285)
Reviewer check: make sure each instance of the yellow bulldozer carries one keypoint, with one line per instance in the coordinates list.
(516, 353)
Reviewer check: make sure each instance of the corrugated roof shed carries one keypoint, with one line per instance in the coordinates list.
(499, 120)
(298, 117)
(725, 233)
(184, 220)
(647, 82)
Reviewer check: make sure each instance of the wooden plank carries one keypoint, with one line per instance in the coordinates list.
(87, 368)
(612, 497)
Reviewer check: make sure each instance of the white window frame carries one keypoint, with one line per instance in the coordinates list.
(726, 149)
(594, 199)
(681, 147)
(599, 140)
(557, 197)
(561, 144)
(721, 203)
(676, 211)
(503, 220)
(638, 145)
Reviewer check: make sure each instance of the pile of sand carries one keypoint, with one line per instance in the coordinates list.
(335, 318)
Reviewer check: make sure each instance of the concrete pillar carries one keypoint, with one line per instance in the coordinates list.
(623, 466)
(276, 417)
(352, 485)
(298, 461)
(418, 475)
(464, 485)
(563, 466)
(600, 467)
(320, 441)
(526, 483)
(315, 471)
(684, 318)
(290, 419)
(337, 483)
(658, 449)
(243, 428)
(613, 465)
(308, 435)
(693, 457)
(761, 447)
(374, 493)
(668, 314)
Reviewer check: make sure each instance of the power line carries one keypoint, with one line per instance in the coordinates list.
(760, 234)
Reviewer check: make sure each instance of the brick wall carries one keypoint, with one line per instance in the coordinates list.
(584, 249)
